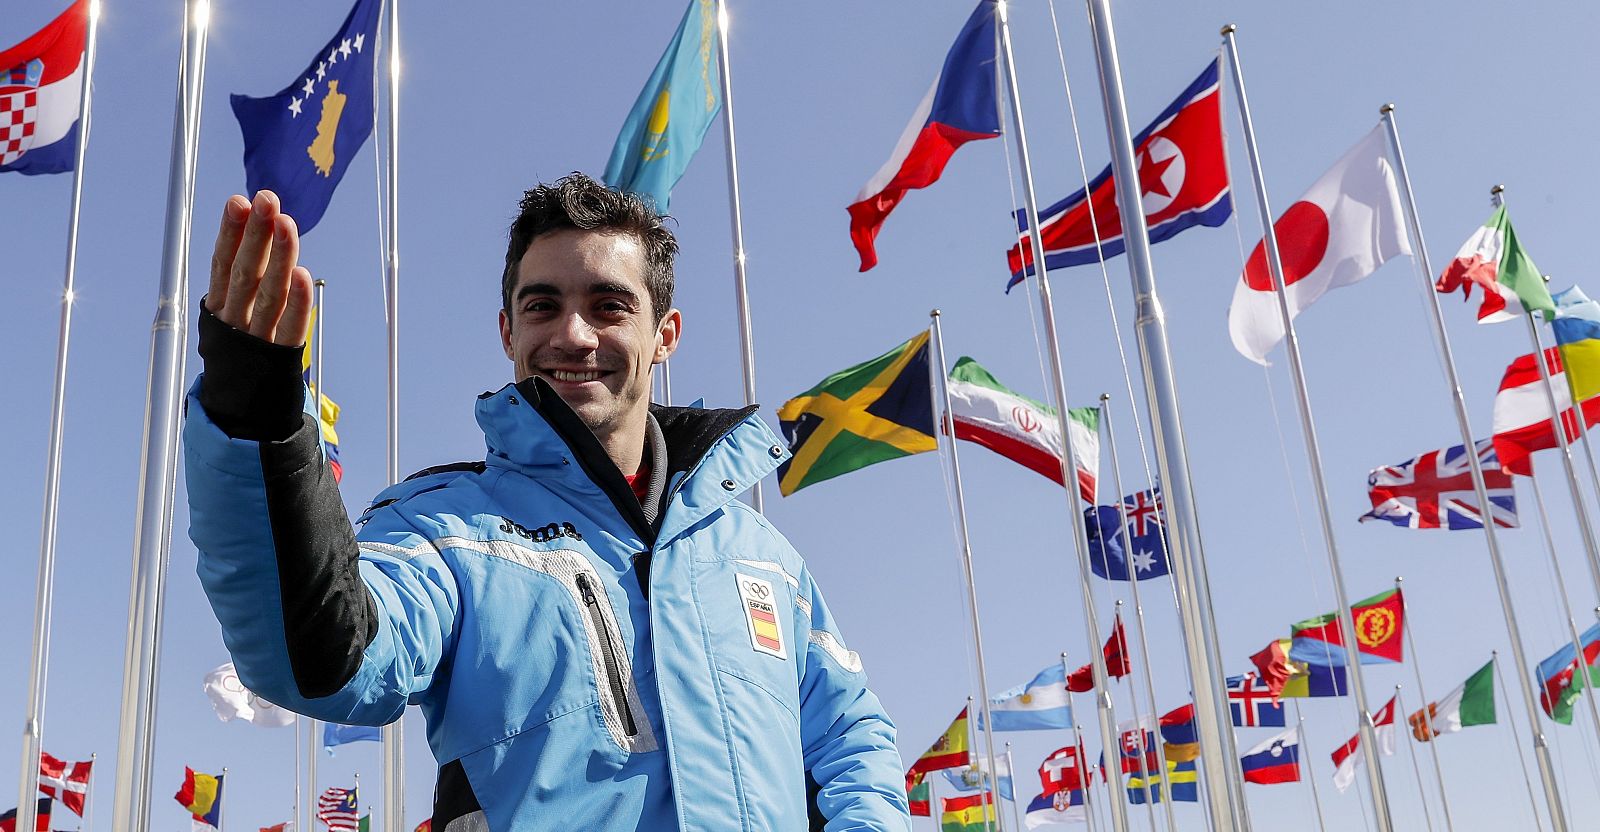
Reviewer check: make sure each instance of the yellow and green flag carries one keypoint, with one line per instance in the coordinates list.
(973, 813)
(876, 411)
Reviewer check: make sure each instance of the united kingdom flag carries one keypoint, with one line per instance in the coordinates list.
(1434, 491)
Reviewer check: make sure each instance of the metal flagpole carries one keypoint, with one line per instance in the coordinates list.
(159, 465)
(1308, 430)
(1218, 754)
(299, 781)
(311, 774)
(1133, 582)
(44, 585)
(1541, 749)
(666, 383)
(1151, 792)
(934, 809)
(221, 811)
(1311, 776)
(1505, 691)
(1085, 775)
(1561, 584)
(393, 734)
(1427, 715)
(88, 797)
(1016, 814)
(1069, 479)
(1416, 770)
(972, 740)
(943, 392)
(747, 349)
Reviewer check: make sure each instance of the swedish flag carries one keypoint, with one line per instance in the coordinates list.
(879, 410)
(673, 112)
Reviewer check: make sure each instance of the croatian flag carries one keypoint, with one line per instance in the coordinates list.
(1183, 182)
(960, 107)
(41, 84)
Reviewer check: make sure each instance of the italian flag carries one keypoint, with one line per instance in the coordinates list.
(1470, 704)
(1021, 429)
(1493, 259)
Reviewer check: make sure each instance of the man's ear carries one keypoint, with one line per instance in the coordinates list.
(667, 335)
(505, 334)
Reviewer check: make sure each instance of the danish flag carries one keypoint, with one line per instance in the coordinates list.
(66, 782)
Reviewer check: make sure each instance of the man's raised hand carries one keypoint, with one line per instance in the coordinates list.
(256, 283)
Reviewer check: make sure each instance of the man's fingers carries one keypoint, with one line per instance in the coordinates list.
(296, 318)
(234, 213)
(273, 293)
(250, 261)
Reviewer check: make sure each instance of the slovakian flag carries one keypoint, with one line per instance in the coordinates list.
(1348, 756)
(1253, 704)
(1341, 230)
(1379, 625)
(1041, 704)
(67, 782)
(1064, 806)
(41, 88)
(1117, 662)
(1523, 420)
(1023, 430)
(961, 106)
(1138, 753)
(1143, 554)
(1275, 760)
(41, 822)
(1559, 681)
(1435, 491)
(1493, 259)
(1183, 182)
(299, 141)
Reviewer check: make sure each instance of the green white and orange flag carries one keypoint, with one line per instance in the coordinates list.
(1470, 704)
(972, 813)
(1493, 259)
(1021, 429)
(949, 751)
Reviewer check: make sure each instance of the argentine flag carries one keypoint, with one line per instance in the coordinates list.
(1038, 705)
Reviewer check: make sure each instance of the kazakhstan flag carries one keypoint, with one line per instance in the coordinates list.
(676, 107)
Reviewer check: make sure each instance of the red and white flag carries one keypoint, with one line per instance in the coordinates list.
(1347, 225)
(1348, 756)
(66, 782)
(41, 83)
(1522, 417)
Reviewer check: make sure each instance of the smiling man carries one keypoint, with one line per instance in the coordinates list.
(600, 635)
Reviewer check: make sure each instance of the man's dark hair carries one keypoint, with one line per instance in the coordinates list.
(577, 201)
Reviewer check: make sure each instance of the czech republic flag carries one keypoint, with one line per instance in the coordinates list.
(41, 82)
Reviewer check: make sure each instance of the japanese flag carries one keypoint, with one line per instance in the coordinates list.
(1347, 225)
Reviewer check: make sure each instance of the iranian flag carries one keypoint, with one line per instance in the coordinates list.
(1470, 704)
(1021, 429)
(1493, 259)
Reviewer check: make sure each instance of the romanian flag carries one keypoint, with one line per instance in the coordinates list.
(1379, 623)
(973, 813)
(879, 410)
(201, 794)
(949, 751)
(328, 412)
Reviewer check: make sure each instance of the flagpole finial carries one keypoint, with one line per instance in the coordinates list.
(1497, 190)
(1546, 277)
(1387, 108)
(934, 313)
(1229, 29)
(1398, 579)
(1105, 397)
(319, 283)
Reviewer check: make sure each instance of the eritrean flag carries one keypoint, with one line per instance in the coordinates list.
(875, 411)
(201, 794)
(1378, 623)
(949, 751)
(973, 813)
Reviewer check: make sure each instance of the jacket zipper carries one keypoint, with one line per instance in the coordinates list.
(608, 648)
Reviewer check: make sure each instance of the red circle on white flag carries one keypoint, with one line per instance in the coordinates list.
(1302, 242)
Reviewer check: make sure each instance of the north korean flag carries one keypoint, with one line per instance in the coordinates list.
(1183, 182)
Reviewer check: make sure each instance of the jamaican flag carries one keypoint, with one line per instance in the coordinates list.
(879, 410)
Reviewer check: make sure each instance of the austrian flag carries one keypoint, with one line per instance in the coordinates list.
(1522, 417)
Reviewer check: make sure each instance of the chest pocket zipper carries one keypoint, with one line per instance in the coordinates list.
(608, 650)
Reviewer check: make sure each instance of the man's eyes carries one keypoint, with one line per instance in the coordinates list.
(605, 307)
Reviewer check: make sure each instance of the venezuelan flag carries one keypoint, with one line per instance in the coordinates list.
(201, 794)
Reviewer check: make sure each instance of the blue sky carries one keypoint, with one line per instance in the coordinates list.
(498, 96)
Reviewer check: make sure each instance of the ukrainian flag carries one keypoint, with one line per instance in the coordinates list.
(879, 410)
(1577, 328)
(673, 112)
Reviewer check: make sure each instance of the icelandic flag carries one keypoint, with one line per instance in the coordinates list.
(1275, 760)
(41, 87)
(669, 120)
(1183, 182)
(298, 142)
(335, 734)
(960, 107)
(1041, 704)
(1065, 806)
(1146, 550)
(1253, 704)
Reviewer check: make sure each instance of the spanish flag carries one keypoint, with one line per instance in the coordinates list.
(201, 794)
(973, 813)
(949, 751)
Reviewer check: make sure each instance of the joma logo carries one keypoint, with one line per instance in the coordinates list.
(542, 534)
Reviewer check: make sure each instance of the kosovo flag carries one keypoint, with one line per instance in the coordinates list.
(871, 412)
(298, 142)
(673, 112)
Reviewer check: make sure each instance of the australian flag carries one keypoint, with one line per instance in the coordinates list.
(1145, 549)
(1434, 491)
(298, 142)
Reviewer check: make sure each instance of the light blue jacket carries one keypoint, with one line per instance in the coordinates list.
(560, 693)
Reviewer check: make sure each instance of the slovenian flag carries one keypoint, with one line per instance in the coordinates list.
(41, 86)
(960, 107)
(1275, 760)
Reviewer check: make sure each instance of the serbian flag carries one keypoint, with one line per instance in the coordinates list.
(960, 107)
(1183, 182)
(68, 782)
(1339, 232)
(1522, 415)
(41, 85)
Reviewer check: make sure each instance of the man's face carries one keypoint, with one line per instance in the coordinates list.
(581, 320)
